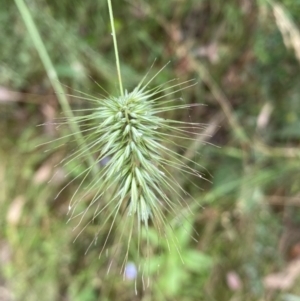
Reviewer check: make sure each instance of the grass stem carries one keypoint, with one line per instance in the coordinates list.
(52, 75)
(111, 17)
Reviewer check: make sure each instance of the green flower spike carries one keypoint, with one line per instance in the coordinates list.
(136, 151)
(134, 147)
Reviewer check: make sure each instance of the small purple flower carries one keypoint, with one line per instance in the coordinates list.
(130, 271)
(104, 161)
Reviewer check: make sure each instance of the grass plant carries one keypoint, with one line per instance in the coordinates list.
(137, 148)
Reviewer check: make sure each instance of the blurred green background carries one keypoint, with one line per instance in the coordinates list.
(245, 57)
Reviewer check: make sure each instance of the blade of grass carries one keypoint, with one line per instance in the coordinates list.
(52, 75)
(111, 17)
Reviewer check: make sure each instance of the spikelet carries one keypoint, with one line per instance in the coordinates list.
(136, 155)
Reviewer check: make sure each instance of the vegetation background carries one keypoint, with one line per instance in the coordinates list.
(245, 56)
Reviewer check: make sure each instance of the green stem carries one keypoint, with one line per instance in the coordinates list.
(51, 72)
(111, 17)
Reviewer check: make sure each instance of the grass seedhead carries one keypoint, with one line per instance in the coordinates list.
(132, 182)
(136, 184)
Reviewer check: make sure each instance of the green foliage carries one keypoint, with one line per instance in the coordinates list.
(180, 272)
(248, 80)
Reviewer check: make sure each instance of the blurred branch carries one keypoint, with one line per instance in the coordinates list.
(288, 29)
(284, 152)
(285, 279)
(212, 127)
(220, 97)
(283, 201)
